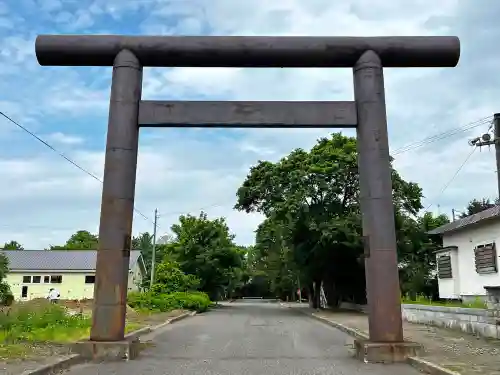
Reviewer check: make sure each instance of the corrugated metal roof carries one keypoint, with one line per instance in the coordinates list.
(57, 260)
(490, 213)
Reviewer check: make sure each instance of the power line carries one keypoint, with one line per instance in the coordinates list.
(453, 177)
(408, 147)
(441, 136)
(63, 156)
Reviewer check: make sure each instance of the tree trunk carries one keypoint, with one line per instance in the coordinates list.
(315, 294)
(310, 295)
(317, 298)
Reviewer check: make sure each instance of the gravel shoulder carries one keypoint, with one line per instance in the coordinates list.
(454, 350)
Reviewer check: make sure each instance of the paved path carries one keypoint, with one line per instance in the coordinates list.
(246, 338)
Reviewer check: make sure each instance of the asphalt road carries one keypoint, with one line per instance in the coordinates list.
(246, 338)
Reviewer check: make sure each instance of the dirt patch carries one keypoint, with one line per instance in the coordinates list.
(29, 356)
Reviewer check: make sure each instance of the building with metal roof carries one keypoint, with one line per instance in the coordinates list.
(482, 217)
(467, 265)
(32, 273)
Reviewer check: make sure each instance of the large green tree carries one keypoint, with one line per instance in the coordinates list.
(314, 197)
(274, 259)
(12, 245)
(478, 205)
(416, 251)
(204, 248)
(81, 240)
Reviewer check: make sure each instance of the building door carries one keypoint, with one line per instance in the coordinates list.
(24, 292)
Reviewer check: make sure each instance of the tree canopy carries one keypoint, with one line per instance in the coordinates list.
(12, 245)
(478, 205)
(205, 248)
(81, 240)
(312, 229)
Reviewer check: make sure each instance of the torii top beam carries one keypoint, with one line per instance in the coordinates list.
(246, 51)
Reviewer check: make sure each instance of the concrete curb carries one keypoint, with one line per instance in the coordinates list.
(417, 362)
(357, 334)
(74, 359)
(429, 367)
(56, 366)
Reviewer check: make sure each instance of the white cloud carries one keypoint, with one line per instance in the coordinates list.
(65, 139)
(185, 170)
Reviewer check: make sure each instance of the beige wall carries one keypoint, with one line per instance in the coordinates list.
(73, 284)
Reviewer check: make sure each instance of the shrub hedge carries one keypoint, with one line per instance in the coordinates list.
(196, 301)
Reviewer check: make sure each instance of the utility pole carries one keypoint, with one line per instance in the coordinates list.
(455, 212)
(496, 138)
(153, 255)
(485, 140)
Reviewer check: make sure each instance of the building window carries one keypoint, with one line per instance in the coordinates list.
(89, 279)
(26, 279)
(37, 279)
(444, 267)
(46, 279)
(485, 258)
(56, 279)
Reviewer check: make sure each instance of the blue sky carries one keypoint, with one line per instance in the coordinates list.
(43, 199)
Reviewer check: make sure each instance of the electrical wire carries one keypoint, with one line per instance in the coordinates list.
(408, 147)
(453, 177)
(63, 156)
(441, 136)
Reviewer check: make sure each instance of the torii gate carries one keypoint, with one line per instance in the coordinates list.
(367, 113)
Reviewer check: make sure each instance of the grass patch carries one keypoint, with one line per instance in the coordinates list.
(14, 351)
(30, 328)
(39, 329)
(421, 300)
(40, 321)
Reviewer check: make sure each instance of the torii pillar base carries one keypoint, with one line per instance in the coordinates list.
(385, 352)
(108, 351)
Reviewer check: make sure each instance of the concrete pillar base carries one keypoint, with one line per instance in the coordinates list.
(108, 350)
(385, 352)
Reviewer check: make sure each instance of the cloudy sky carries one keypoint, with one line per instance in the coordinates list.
(43, 198)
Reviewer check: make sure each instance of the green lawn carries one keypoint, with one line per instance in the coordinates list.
(30, 328)
(478, 304)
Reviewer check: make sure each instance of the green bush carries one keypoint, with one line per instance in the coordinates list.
(195, 301)
(6, 297)
(170, 279)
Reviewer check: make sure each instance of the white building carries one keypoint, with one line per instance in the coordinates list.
(468, 261)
